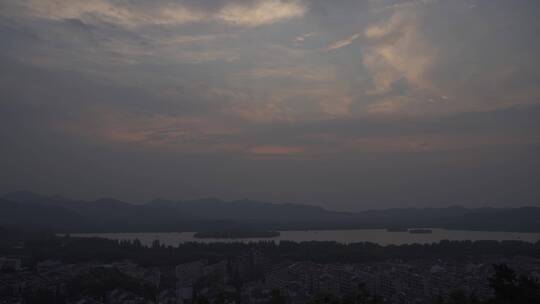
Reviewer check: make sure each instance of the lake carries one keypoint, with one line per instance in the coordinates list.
(379, 236)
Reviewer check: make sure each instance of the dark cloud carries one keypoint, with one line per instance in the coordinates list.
(347, 104)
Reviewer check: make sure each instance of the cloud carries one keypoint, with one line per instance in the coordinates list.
(117, 13)
(341, 43)
(263, 12)
(300, 39)
(276, 150)
(168, 12)
(183, 134)
(397, 50)
(237, 81)
(311, 74)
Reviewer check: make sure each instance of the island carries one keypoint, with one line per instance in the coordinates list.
(235, 234)
(396, 229)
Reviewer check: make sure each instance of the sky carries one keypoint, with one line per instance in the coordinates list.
(345, 104)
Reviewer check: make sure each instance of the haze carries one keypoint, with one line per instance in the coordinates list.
(346, 104)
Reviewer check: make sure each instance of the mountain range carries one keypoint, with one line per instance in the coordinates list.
(25, 209)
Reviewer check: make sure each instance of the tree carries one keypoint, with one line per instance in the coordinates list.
(511, 289)
(460, 297)
(277, 298)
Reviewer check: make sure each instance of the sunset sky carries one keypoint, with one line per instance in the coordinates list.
(345, 104)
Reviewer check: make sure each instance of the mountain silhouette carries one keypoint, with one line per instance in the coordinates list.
(59, 214)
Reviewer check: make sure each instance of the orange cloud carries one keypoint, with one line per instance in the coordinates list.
(276, 150)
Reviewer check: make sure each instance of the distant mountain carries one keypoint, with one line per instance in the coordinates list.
(59, 214)
(217, 209)
(161, 215)
(36, 215)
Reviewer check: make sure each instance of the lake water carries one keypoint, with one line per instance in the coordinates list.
(379, 236)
